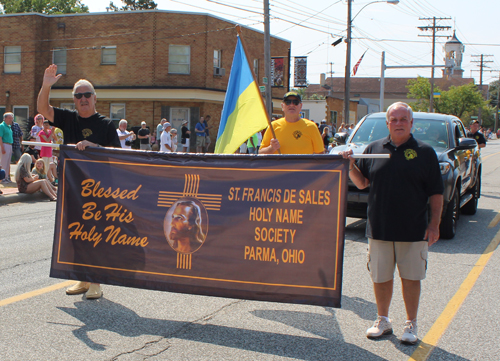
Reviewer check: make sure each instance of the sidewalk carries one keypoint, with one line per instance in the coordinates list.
(12, 195)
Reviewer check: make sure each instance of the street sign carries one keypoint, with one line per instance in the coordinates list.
(262, 88)
(473, 117)
(264, 80)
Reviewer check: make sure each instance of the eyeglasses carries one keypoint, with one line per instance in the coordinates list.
(80, 95)
(290, 101)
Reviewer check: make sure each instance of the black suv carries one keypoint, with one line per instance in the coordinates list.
(459, 160)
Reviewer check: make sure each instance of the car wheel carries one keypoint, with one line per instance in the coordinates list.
(448, 226)
(470, 207)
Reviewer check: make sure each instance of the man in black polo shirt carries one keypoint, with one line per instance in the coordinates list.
(84, 127)
(476, 134)
(397, 229)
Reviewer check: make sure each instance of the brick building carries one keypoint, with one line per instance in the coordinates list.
(145, 65)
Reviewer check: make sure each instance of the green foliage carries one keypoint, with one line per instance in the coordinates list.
(134, 5)
(494, 87)
(461, 101)
(43, 6)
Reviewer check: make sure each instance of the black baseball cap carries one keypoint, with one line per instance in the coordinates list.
(292, 94)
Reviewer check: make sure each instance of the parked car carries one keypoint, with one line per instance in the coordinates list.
(459, 161)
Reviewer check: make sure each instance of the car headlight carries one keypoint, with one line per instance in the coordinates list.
(444, 167)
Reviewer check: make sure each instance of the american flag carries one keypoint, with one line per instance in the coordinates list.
(355, 69)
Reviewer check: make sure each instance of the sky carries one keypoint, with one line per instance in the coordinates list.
(313, 25)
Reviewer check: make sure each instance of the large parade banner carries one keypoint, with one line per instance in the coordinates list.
(265, 228)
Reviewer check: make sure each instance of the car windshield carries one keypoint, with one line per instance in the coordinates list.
(432, 132)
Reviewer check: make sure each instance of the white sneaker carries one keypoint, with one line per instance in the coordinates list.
(410, 333)
(95, 291)
(380, 327)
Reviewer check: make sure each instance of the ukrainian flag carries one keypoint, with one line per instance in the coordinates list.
(243, 113)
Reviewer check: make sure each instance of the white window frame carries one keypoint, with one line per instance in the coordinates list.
(176, 61)
(116, 120)
(107, 53)
(177, 123)
(69, 106)
(217, 58)
(256, 68)
(12, 59)
(61, 66)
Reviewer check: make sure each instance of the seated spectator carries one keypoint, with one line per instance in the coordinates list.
(39, 169)
(52, 171)
(32, 151)
(28, 184)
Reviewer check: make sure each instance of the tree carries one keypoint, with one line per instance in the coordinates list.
(134, 5)
(43, 6)
(460, 101)
(494, 92)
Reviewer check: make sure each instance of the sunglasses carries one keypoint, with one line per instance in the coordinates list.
(290, 101)
(80, 95)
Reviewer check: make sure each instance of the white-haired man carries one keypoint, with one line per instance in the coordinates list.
(84, 127)
(398, 230)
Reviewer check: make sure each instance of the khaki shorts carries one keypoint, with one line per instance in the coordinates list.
(410, 257)
(200, 141)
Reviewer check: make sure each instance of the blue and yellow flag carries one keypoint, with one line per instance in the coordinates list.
(243, 113)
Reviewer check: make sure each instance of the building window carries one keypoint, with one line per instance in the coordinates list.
(117, 112)
(69, 106)
(179, 59)
(108, 55)
(256, 68)
(59, 59)
(177, 116)
(12, 59)
(217, 58)
(2, 112)
(21, 116)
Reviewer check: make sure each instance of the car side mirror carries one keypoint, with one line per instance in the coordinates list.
(467, 143)
(341, 138)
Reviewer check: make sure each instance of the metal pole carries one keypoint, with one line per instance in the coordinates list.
(382, 82)
(347, 80)
(431, 100)
(267, 59)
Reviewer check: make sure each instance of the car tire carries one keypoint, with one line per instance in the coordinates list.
(470, 207)
(448, 226)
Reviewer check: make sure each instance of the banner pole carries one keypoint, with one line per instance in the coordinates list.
(41, 144)
(238, 30)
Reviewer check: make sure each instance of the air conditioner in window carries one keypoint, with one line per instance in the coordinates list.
(219, 71)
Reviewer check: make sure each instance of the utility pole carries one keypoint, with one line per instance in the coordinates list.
(267, 59)
(481, 70)
(330, 92)
(434, 28)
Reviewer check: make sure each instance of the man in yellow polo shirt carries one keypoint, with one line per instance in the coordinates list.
(294, 135)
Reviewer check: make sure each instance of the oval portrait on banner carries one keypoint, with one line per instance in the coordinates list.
(186, 225)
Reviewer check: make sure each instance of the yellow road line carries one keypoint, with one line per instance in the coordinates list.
(489, 155)
(494, 221)
(432, 337)
(41, 291)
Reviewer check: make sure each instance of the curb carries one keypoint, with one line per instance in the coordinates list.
(22, 197)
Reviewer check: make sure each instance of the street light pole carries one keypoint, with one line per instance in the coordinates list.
(347, 81)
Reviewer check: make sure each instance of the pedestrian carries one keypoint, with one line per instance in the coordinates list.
(6, 140)
(294, 134)
(46, 135)
(84, 127)
(159, 130)
(173, 136)
(36, 128)
(144, 136)
(200, 135)
(166, 139)
(207, 133)
(252, 144)
(126, 137)
(476, 134)
(326, 137)
(17, 146)
(185, 135)
(398, 228)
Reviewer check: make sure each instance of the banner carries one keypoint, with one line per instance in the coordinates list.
(277, 72)
(300, 71)
(265, 228)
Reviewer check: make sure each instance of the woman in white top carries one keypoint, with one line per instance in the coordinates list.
(166, 140)
(126, 138)
(173, 135)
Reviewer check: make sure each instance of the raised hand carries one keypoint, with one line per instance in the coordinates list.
(50, 77)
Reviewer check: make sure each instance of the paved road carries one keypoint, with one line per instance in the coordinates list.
(133, 324)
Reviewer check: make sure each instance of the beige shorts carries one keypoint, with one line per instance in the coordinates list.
(410, 257)
(200, 141)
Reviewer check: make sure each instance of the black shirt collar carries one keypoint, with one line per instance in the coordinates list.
(410, 142)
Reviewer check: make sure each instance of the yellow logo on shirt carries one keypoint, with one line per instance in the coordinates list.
(297, 134)
(410, 154)
(86, 132)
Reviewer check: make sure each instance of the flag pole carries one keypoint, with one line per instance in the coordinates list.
(238, 30)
